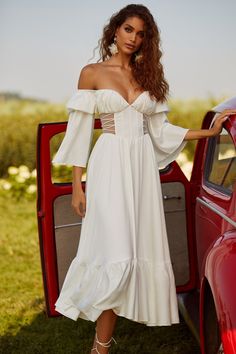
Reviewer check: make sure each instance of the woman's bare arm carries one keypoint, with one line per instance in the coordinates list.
(213, 131)
(78, 197)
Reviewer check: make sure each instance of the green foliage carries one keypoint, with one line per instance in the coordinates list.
(18, 125)
(19, 183)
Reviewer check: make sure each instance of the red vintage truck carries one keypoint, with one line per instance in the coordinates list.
(201, 224)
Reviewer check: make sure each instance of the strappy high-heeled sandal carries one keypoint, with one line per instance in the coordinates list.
(104, 345)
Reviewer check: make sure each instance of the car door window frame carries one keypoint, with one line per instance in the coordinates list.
(212, 143)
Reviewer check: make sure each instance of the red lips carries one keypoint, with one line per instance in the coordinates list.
(130, 46)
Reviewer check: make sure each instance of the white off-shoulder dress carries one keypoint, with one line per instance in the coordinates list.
(123, 261)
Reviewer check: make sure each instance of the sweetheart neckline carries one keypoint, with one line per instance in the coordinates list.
(118, 93)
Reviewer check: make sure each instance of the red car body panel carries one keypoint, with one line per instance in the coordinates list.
(216, 244)
(220, 272)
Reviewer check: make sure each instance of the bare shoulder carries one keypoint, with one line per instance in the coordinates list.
(88, 76)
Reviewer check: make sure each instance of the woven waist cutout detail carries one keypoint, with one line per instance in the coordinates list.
(108, 123)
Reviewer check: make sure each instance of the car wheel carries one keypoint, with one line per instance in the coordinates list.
(211, 330)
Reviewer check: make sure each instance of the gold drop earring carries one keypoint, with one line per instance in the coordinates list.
(113, 47)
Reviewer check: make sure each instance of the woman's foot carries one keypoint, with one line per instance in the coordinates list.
(104, 328)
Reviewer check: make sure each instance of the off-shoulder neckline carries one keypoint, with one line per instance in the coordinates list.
(116, 92)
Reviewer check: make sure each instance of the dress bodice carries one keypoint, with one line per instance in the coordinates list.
(111, 101)
(117, 115)
(144, 116)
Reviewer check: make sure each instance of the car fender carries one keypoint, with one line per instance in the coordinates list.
(220, 271)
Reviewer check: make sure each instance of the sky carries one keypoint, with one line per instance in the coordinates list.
(44, 45)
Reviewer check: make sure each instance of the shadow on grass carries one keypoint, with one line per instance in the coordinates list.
(61, 335)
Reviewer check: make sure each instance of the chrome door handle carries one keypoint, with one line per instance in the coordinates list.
(167, 197)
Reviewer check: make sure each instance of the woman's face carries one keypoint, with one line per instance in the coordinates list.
(130, 35)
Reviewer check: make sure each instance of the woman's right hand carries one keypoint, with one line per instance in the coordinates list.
(79, 202)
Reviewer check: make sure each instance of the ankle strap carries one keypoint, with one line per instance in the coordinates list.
(107, 344)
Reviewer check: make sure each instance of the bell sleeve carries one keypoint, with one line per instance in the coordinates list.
(168, 139)
(75, 147)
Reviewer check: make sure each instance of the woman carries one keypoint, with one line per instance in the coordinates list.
(123, 265)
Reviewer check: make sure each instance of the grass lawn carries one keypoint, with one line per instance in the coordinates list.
(24, 327)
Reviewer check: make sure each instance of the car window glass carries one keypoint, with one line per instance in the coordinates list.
(59, 173)
(222, 171)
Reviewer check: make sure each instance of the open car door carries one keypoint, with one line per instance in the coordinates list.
(59, 226)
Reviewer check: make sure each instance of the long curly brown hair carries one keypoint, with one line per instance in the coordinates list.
(148, 72)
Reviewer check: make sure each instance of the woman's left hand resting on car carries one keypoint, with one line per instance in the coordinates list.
(214, 130)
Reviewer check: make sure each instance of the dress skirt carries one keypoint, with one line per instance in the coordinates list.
(123, 260)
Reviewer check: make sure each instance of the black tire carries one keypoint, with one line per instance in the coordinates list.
(212, 335)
